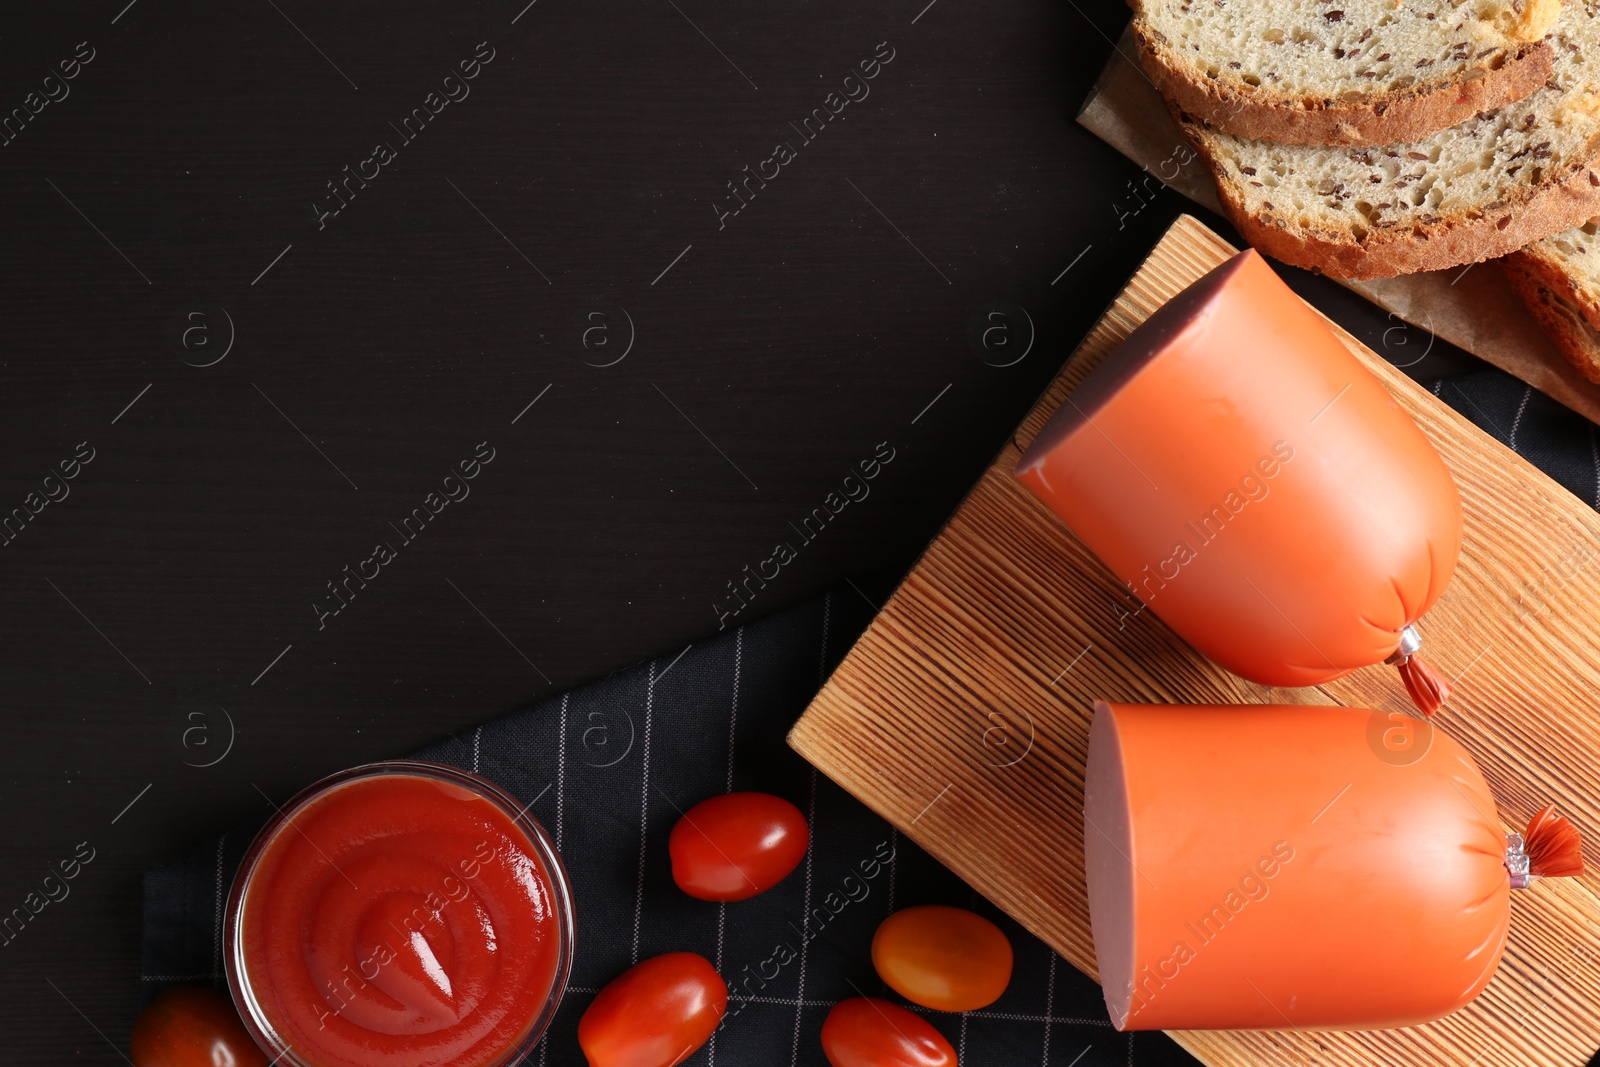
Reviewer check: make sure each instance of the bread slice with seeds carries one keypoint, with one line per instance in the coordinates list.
(1559, 279)
(1344, 72)
(1501, 180)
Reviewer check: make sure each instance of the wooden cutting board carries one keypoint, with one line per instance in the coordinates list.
(962, 714)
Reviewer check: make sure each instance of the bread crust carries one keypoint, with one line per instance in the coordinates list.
(1531, 214)
(1568, 316)
(1548, 271)
(1410, 114)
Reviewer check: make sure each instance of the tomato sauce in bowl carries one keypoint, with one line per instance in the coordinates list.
(405, 914)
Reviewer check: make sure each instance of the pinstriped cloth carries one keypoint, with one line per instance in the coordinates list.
(607, 768)
(1557, 440)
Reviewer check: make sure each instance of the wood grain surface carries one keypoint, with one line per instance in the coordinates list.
(962, 714)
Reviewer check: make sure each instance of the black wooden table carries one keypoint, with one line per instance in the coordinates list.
(657, 274)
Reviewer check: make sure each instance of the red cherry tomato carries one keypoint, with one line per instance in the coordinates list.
(191, 1026)
(949, 959)
(737, 845)
(867, 1032)
(654, 1014)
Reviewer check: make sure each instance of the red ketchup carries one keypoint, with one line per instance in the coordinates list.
(400, 914)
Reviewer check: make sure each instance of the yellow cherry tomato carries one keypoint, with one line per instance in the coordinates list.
(948, 959)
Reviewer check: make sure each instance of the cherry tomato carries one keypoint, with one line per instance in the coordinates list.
(944, 958)
(654, 1014)
(190, 1026)
(737, 845)
(867, 1032)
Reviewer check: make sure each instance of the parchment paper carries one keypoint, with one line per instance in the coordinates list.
(1470, 307)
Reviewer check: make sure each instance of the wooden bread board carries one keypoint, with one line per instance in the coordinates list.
(962, 714)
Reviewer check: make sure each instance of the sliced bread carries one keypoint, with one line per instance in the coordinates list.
(1559, 279)
(1499, 181)
(1343, 72)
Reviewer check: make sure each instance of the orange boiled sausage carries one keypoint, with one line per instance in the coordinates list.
(1304, 867)
(1255, 486)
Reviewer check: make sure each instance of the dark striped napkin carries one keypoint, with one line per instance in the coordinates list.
(609, 766)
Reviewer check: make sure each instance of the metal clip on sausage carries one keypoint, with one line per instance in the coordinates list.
(1428, 690)
(1551, 848)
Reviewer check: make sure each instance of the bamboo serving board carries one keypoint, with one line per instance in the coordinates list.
(962, 714)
